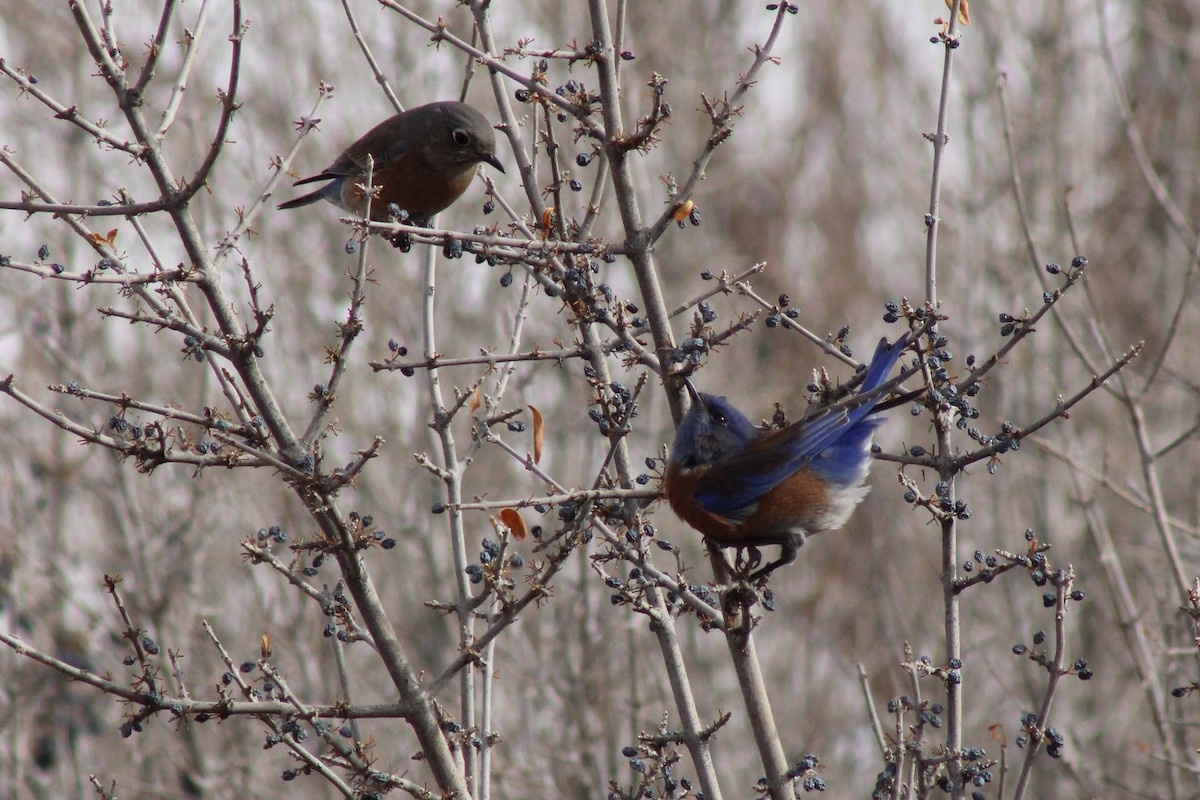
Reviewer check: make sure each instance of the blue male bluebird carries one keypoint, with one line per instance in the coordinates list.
(425, 159)
(744, 487)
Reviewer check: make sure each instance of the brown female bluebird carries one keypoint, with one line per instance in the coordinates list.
(425, 159)
(744, 487)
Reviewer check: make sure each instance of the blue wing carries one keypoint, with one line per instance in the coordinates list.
(832, 443)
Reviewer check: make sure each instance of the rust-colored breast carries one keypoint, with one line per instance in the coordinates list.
(798, 505)
(412, 184)
(792, 505)
(680, 485)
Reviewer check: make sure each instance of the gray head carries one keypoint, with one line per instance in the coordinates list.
(712, 430)
(456, 134)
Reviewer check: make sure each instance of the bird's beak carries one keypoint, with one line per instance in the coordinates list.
(490, 158)
(692, 390)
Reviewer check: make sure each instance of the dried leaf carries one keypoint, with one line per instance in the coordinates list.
(264, 645)
(538, 433)
(684, 209)
(110, 239)
(964, 14)
(476, 401)
(512, 519)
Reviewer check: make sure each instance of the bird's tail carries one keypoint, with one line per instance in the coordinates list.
(306, 199)
(885, 358)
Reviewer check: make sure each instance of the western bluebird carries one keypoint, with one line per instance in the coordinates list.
(424, 160)
(744, 487)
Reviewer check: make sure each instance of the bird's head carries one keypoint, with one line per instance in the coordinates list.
(463, 136)
(711, 430)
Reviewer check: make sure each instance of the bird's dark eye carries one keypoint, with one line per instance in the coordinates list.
(461, 137)
(717, 417)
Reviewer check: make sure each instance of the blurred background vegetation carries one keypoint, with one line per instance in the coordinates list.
(826, 179)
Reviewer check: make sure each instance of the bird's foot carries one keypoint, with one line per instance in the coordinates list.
(746, 559)
(786, 556)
